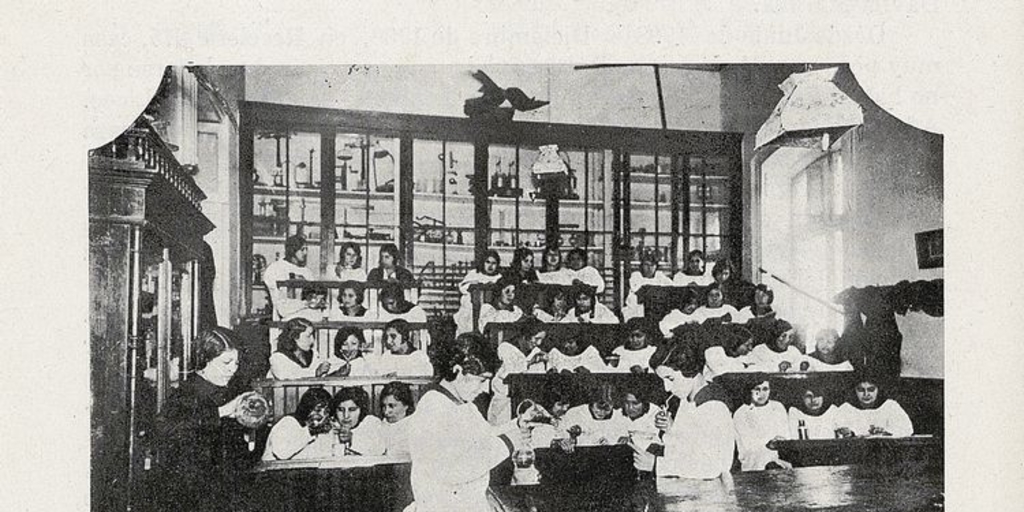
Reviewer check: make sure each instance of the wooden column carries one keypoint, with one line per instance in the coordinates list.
(478, 187)
(405, 183)
(328, 204)
(617, 239)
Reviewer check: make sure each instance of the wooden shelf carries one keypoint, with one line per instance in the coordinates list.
(314, 193)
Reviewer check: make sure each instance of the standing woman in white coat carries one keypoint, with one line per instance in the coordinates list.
(452, 447)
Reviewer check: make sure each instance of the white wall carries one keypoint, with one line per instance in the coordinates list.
(625, 96)
(893, 189)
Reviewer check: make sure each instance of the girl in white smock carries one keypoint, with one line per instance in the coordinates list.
(759, 423)
(813, 415)
(452, 447)
(486, 272)
(871, 414)
(522, 354)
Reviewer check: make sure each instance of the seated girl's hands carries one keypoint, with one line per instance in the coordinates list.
(844, 432)
(323, 369)
(343, 369)
(539, 357)
(568, 445)
(581, 369)
(575, 430)
(637, 369)
(805, 366)
(878, 431)
(785, 366)
(663, 421)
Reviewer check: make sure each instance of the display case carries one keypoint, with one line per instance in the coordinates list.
(146, 252)
(446, 190)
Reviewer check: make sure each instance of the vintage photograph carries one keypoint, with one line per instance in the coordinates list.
(530, 287)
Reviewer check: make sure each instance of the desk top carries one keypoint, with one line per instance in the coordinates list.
(836, 488)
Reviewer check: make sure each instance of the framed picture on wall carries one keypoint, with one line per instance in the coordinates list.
(929, 249)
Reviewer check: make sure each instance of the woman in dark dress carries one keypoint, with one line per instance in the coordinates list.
(203, 448)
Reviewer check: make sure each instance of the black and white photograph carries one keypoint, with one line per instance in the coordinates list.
(538, 257)
(516, 287)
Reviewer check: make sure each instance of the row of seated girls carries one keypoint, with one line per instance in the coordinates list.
(296, 356)
(522, 270)
(695, 272)
(761, 422)
(349, 270)
(323, 426)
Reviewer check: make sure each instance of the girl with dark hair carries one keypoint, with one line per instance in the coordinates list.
(635, 354)
(870, 413)
(396, 404)
(522, 269)
(551, 270)
(814, 413)
(575, 355)
(699, 440)
(295, 357)
(684, 315)
(759, 423)
(304, 434)
(641, 430)
(394, 306)
(587, 309)
(503, 307)
(520, 354)
(486, 272)
(389, 268)
(356, 430)
(761, 310)
(647, 275)
(694, 272)
(350, 263)
(400, 357)
(452, 447)
(715, 308)
(202, 445)
(730, 352)
(348, 360)
(777, 354)
(580, 270)
(350, 301)
(557, 307)
(736, 291)
(597, 422)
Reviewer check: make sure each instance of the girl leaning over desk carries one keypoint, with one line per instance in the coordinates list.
(452, 447)
(699, 441)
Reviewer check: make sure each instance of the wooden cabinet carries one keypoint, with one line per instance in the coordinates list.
(146, 259)
(445, 190)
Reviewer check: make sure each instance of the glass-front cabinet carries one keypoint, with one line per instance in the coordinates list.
(445, 190)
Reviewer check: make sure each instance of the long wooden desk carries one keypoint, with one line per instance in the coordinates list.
(833, 488)
(889, 451)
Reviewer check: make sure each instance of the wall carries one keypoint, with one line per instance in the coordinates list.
(621, 96)
(896, 188)
(893, 189)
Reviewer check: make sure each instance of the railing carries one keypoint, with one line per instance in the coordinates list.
(373, 332)
(371, 292)
(284, 395)
(142, 148)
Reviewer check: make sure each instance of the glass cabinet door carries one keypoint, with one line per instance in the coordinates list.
(365, 202)
(517, 214)
(286, 197)
(650, 209)
(582, 218)
(710, 198)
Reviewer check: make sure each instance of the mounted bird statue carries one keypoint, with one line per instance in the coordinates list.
(489, 106)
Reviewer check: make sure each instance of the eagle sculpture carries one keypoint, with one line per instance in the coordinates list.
(489, 106)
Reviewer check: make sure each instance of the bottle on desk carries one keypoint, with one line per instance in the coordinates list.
(801, 430)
